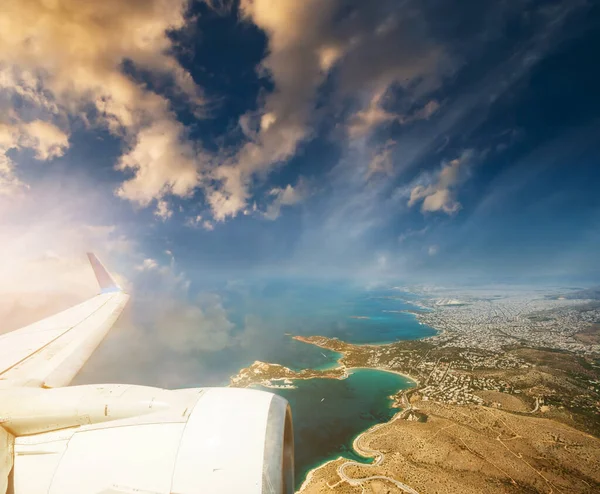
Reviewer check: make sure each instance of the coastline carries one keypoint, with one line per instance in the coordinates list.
(310, 474)
(365, 453)
(383, 369)
(338, 366)
(364, 434)
(345, 375)
(347, 371)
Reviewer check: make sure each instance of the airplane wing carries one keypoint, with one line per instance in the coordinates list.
(50, 352)
(126, 439)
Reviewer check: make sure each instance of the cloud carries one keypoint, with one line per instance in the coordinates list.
(433, 250)
(164, 323)
(163, 162)
(194, 221)
(65, 59)
(412, 233)
(44, 138)
(192, 327)
(147, 265)
(426, 112)
(308, 43)
(364, 121)
(163, 210)
(382, 161)
(439, 194)
(198, 222)
(298, 63)
(287, 196)
(171, 319)
(43, 263)
(375, 115)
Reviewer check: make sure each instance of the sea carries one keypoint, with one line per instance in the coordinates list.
(328, 414)
(261, 316)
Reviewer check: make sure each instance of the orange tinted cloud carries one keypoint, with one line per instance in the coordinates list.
(66, 56)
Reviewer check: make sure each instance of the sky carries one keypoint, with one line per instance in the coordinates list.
(198, 143)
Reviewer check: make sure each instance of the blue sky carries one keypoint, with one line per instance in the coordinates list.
(418, 141)
(203, 148)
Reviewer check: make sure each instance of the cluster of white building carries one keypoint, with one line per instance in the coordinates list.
(493, 323)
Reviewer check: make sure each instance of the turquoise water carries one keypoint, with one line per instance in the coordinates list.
(274, 311)
(331, 360)
(325, 428)
(265, 316)
(267, 313)
(349, 313)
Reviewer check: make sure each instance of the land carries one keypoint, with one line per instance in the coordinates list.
(589, 336)
(506, 399)
(277, 376)
(585, 294)
(467, 450)
(492, 324)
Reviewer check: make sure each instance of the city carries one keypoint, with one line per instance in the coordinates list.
(520, 353)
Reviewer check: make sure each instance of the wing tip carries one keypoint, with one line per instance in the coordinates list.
(105, 280)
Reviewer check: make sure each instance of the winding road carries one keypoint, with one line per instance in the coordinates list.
(371, 453)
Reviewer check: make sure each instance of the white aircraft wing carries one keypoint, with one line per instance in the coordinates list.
(50, 352)
(125, 439)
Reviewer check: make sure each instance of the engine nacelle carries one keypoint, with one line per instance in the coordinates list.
(213, 440)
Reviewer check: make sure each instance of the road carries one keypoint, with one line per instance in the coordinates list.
(379, 457)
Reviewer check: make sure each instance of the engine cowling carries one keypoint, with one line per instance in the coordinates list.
(211, 440)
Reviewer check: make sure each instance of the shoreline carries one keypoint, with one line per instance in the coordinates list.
(345, 375)
(356, 442)
(347, 371)
(383, 369)
(377, 456)
(366, 454)
(310, 474)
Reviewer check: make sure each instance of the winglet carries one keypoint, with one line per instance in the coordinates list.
(105, 280)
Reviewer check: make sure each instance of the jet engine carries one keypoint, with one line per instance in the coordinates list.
(119, 439)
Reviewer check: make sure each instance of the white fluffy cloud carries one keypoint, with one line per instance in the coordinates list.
(45, 139)
(163, 162)
(148, 264)
(298, 62)
(163, 210)
(65, 57)
(198, 222)
(440, 193)
(307, 40)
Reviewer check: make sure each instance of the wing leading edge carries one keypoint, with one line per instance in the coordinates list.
(50, 352)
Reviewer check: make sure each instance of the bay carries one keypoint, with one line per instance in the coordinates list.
(329, 413)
